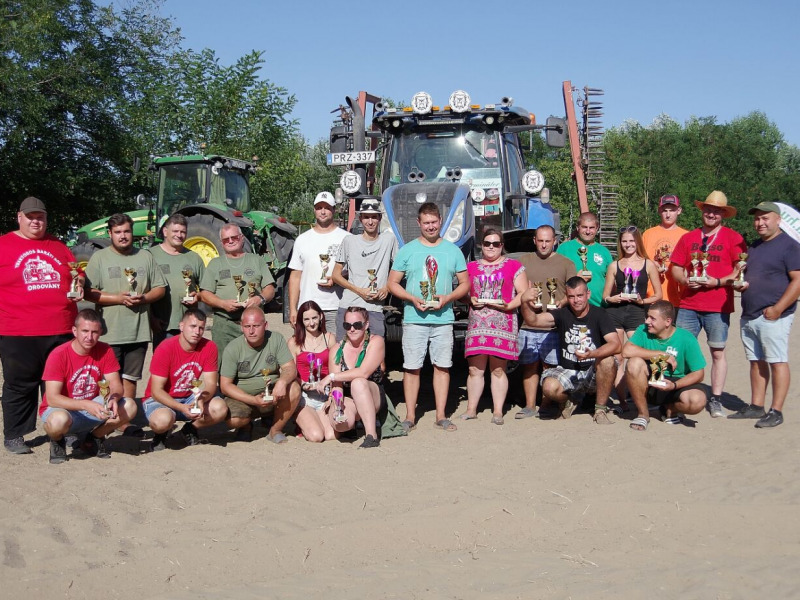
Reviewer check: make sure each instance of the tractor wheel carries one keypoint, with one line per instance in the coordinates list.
(202, 237)
(83, 251)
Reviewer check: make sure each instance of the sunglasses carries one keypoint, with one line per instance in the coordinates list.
(231, 240)
(628, 229)
(492, 244)
(704, 244)
(357, 325)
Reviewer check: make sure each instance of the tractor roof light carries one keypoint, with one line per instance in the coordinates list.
(421, 103)
(460, 101)
(532, 182)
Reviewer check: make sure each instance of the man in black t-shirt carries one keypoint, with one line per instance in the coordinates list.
(587, 345)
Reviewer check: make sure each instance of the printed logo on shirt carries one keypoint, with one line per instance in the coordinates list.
(165, 269)
(366, 254)
(225, 274)
(114, 272)
(598, 259)
(243, 367)
(579, 337)
(333, 250)
(39, 274)
(272, 362)
(184, 375)
(248, 272)
(84, 383)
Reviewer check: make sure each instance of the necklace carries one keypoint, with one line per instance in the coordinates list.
(317, 345)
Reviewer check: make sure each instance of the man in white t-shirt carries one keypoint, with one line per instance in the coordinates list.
(317, 248)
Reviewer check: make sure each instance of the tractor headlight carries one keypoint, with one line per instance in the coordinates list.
(532, 182)
(456, 229)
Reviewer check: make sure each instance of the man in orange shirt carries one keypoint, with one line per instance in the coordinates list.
(659, 242)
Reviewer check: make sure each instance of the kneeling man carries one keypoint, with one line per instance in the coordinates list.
(680, 392)
(177, 363)
(248, 363)
(587, 345)
(74, 402)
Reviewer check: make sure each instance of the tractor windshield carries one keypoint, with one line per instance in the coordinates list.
(433, 153)
(188, 183)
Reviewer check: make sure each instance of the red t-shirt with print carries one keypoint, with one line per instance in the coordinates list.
(723, 252)
(79, 374)
(180, 367)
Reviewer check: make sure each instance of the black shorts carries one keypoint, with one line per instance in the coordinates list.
(131, 359)
(626, 316)
(657, 397)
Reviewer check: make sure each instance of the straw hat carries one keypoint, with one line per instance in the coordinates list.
(719, 200)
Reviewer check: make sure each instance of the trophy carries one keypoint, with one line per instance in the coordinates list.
(695, 269)
(187, 279)
(584, 340)
(73, 287)
(583, 254)
(629, 292)
(432, 269)
(704, 263)
(196, 385)
(658, 364)
(738, 283)
(267, 396)
(105, 390)
(130, 275)
(324, 261)
(552, 286)
(251, 288)
(237, 281)
(373, 281)
(662, 258)
(337, 398)
(537, 287)
(491, 287)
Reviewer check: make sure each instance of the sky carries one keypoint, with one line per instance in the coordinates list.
(684, 59)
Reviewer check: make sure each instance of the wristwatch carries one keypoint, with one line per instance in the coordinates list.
(263, 300)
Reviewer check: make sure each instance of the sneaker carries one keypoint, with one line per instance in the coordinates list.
(17, 445)
(90, 445)
(244, 434)
(58, 451)
(370, 442)
(159, 442)
(715, 407)
(189, 433)
(751, 411)
(568, 408)
(102, 449)
(772, 419)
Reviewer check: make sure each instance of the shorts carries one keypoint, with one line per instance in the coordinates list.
(537, 346)
(242, 410)
(657, 397)
(377, 326)
(715, 324)
(626, 316)
(312, 399)
(573, 381)
(82, 421)
(765, 340)
(131, 359)
(150, 406)
(415, 345)
(330, 321)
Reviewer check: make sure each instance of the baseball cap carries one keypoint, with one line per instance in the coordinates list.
(669, 199)
(370, 206)
(765, 206)
(31, 204)
(325, 197)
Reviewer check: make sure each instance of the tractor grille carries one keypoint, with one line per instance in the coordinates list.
(405, 205)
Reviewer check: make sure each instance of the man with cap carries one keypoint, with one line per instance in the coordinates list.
(35, 315)
(598, 257)
(659, 241)
(708, 303)
(363, 257)
(771, 288)
(315, 250)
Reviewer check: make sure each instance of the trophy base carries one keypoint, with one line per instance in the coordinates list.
(132, 295)
(432, 304)
(628, 296)
(552, 306)
(585, 274)
(268, 398)
(339, 418)
(187, 299)
(738, 285)
(537, 305)
(195, 411)
(494, 301)
(698, 279)
(657, 384)
(73, 295)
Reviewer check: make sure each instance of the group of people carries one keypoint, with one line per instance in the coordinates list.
(578, 322)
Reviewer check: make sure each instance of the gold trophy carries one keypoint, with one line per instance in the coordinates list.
(584, 340)
(130, 275)
(537, 287)
(704, 263)
(251, 288)
(583, 254)
(424, 289)
(552, 286)
(105, 390)
(658, 364)
(196, 385)
(237, 281)
(265, 373)
(694, 272)
(662, 258)
(738, 283)
(324, 261)
(73, 286)
(187, 279)
(373, 281)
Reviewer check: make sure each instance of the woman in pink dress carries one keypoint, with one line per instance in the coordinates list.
(497, 283)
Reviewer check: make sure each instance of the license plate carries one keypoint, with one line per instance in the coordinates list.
(350, 158)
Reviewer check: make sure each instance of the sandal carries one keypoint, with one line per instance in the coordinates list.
(639, 424)
(445, 425)
(601, 415)
(497, 420)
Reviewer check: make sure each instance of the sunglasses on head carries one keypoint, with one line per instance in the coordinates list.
(357, 325)
(487, 244)
(628, 229)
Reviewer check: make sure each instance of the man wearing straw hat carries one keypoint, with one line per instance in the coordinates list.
(703, 266)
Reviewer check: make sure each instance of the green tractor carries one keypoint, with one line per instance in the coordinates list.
(210, 191)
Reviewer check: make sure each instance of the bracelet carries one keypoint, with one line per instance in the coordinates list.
(719, 282)
(333, 378)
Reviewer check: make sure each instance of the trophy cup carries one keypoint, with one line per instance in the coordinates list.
(312, 360)
(251, 289)
(552, 286)
(187, 279)
(491, 287)
(424, 288)
(583, 254)
(337, 398)
(704, 263)
(267, 396)
(373, 281)
(629, 292)
(432, 269)
(324, 261)
(73, 287)
(237, 281)
(196, 385)
(584, 341)
(130, 275)
(537, 286)
(662, 258)
(658, 364)
(695, 269)
(105, 390)
(738, 283)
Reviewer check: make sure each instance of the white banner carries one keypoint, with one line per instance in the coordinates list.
(790, 221)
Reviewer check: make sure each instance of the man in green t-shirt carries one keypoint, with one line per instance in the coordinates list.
(246, 362)
(232, 282)
(597, 256)
(123, 281)
(177, 263)
(680, 391)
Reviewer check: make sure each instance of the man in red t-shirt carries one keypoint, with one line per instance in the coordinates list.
(35, 315)
(180, 364)
(73, 402)
(703, 264)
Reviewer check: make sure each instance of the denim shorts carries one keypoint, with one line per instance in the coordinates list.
(313, 399)
(716, 325)
(82, 421)
(535, 346)
(415, 345)
(765, 340)
(150, 406)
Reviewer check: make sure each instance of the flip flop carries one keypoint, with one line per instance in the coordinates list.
(525, 413)
(445, 425)
(601, 415)
(497, 420)
(466, 417)
(639, 424)
(408, 426)
(278, 438)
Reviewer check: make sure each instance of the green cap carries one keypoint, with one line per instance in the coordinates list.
(765, 206)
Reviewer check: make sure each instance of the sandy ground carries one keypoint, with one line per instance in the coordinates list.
(532, 509)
